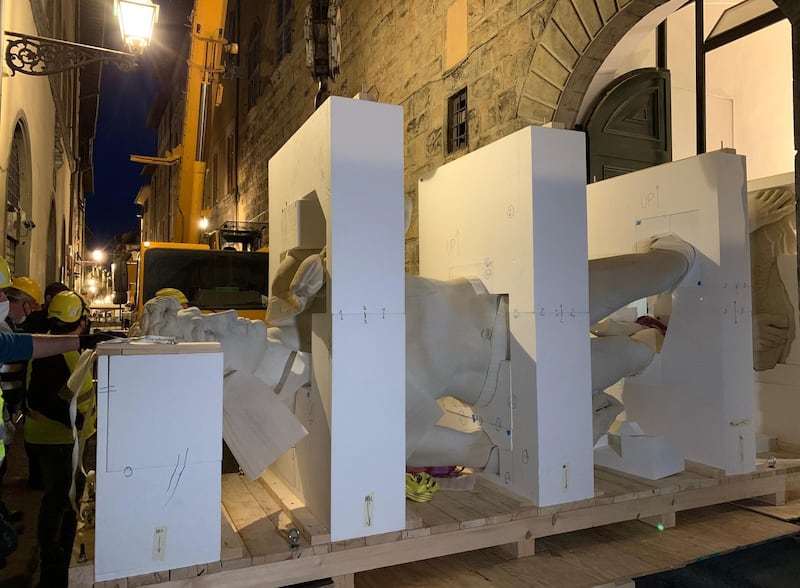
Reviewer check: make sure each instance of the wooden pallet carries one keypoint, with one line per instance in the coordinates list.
(258, 515)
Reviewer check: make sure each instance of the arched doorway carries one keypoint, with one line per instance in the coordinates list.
(51, 254)
(19, 201)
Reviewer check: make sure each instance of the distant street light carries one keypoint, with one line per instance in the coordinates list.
(203, 223)
(99, 255)
(41, 56)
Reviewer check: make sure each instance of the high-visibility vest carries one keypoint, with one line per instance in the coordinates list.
(45, 431)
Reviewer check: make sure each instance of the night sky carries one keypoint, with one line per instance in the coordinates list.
(125, 100)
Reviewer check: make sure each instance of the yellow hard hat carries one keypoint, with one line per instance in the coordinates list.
(5, 273)
(29, 286)
(175, 293)
(67, 307)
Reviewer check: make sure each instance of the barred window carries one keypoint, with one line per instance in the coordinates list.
(457, 128)
(283, 36)
(254, 65)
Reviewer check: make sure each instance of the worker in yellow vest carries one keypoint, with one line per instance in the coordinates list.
(49, 434)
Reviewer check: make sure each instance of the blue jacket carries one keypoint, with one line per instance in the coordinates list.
(15, 347)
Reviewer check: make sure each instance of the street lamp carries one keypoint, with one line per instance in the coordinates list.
(40, 56)
(136, 21)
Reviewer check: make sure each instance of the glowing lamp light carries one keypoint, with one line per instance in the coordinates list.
(203, 223)
(98, 255)
(136, 21)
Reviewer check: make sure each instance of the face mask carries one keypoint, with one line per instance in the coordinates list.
(26, 312)
(4, 310)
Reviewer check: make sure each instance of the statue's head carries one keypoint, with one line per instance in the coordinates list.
(244, 341)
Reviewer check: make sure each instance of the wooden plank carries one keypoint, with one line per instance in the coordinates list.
(603, 543)
(786, 512)
(121, 583)
(434, 519)
(250, 521)
(454, 522)
(619, 487)
(312, 529)
(508, 500)
(662, 486)
(147, 579)
(492, 512)
(704, 470)
(345, 581)
(490, 481)
(583, 559)
(81, 575)
(383, 538)
(281, 521)
(189, 572)
(232, 546)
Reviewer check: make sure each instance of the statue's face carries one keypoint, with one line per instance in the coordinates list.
(244, 342)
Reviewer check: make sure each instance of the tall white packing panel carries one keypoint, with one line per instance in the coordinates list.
(159, 457)
(342, 173)
(699, 390)
(513, 214)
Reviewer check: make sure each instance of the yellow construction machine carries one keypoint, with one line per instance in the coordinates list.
(232, 272)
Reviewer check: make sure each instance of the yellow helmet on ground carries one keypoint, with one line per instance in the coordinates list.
(67, 307)
(5, 273)
(174, 293)
(28, 286)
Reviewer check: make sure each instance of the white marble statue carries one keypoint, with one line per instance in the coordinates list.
(772, 233)
(454, 331)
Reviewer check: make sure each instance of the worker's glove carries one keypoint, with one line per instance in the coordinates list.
(7, 430)
(91, 341)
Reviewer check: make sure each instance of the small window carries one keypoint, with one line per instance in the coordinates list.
(457, 128)
(230, 178)
(254, 65)
(283, 35)
(214, 180)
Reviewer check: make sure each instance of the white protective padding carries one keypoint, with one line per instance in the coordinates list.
(513, 214)
(629, 450)
(159, 458)
(256, 425)
(350, 470)
(698, 392)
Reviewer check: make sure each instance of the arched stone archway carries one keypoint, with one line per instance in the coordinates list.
(575, 41)
(577, 38)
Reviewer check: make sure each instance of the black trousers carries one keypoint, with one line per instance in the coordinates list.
(57, 519)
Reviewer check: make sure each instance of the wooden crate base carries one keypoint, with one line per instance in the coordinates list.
(260, 548)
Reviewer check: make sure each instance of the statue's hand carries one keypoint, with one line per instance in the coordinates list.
(770, 331)
(768, 206)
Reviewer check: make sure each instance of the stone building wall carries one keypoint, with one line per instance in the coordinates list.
(520, 57)
(525, 62)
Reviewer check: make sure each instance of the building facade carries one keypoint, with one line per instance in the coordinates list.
(47, 125)
(466, 73)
